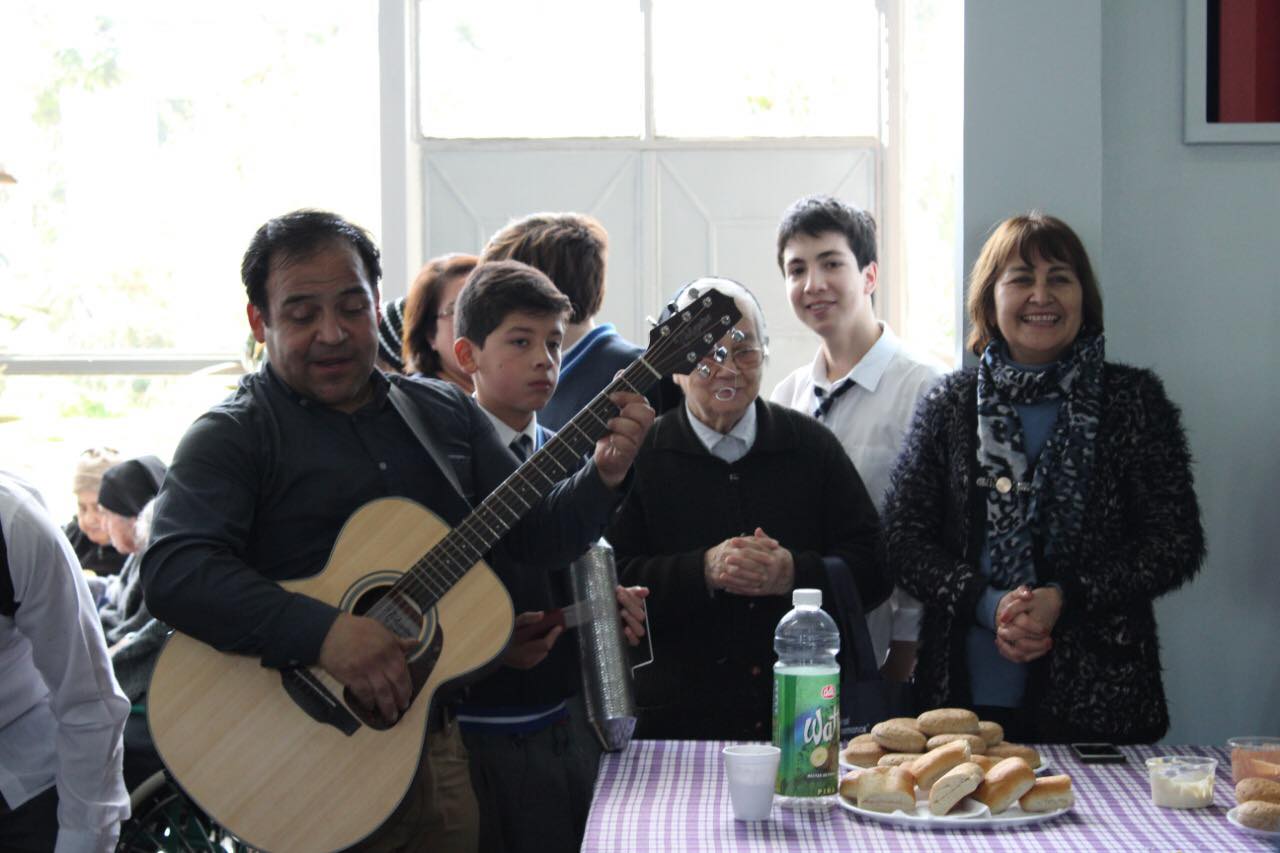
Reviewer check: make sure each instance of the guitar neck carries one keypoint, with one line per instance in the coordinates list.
(435, 573)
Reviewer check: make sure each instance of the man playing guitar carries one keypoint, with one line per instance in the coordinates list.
(263, 482)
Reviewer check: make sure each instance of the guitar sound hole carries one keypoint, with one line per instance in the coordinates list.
(401, 615)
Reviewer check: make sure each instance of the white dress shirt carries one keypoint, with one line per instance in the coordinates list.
(871, 419)
(729, 446)
(62, 713)
(506, 434)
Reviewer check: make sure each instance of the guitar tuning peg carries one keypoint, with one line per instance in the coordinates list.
(720, 355)
(737, 336)
(704, 371)
(649, 321)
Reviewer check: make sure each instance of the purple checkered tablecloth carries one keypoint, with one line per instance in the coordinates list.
(671, 796)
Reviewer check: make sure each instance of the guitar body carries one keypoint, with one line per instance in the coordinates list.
(283, 778)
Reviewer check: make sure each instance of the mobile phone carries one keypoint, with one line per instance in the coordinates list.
(1098, 753)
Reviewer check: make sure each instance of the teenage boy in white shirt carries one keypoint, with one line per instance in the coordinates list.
(862, 383)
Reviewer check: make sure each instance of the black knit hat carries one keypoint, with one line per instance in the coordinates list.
(391, 333)
(127, 487)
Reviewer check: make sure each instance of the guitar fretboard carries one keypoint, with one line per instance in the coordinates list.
(436, 572)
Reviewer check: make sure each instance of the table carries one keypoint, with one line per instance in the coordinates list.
(671, 797)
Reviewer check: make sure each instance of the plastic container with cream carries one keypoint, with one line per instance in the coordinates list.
(1182, 781)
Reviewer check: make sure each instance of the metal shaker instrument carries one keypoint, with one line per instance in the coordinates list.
(602, 648)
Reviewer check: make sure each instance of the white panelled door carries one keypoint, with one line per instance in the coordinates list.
(674, 211)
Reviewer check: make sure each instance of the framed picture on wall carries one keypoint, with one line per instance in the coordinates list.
(1232, 85)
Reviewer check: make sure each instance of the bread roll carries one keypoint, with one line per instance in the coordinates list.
(897, 736)
(956, 784)
(849, 782)
(977, 746)
(1004, 749)
(897, 759)
(986, 762)
(1266, 790)
(931, 766)
(1048, 794)
(1004, 784)
(888, 791)
(862, 754)
(1266, 769)
(865, 737)
(942, 721)
(1256, 814)
(991, 732)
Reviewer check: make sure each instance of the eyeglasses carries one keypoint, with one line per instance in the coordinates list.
(743, 358)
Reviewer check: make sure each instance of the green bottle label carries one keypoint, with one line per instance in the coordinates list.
(806, 728)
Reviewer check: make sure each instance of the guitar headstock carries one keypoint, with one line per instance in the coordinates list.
(677, 343)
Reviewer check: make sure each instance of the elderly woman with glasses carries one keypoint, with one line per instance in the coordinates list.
(735, 502)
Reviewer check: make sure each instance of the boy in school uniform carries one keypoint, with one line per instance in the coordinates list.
(533, 758)
(862, 383)
(572, 249)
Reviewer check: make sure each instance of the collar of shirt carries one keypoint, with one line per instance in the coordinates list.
(730, 446)
(570, 357)
(377, 380)
(870, 368)
(506, 434)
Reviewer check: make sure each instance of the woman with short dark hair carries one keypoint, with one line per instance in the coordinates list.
(1042, 501)
(428, 319)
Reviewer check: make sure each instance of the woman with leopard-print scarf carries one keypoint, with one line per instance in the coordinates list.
(1042, 501)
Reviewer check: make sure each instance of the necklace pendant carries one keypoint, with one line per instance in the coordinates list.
(1004, 485)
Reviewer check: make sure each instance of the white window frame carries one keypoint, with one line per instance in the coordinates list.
(402, 149)
(404, 153)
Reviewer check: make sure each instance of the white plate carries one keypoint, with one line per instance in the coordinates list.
(968, 814)
(1231, 816)
(1042, 770)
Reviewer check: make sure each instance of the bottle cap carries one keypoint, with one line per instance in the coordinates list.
(806, 598)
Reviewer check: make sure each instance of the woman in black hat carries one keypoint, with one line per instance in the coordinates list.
(134, 638)
(125, 491)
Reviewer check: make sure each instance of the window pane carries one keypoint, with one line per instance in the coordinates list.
(557, 68)
(149, 140)
(45, 421)
(759, 68)
(933, 116)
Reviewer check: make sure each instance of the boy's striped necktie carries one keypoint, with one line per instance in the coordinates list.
(827, 399)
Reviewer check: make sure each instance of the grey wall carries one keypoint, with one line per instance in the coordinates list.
(1077, 109)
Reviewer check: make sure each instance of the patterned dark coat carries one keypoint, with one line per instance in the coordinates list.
(1141, 538)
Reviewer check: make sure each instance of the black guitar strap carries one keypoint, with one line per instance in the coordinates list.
(422, 432)
(8, 604)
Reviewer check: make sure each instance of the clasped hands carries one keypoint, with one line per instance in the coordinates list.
(750, 565)
(1025, 619)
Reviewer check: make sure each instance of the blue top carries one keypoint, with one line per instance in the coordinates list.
(587, 369)
(995, 679)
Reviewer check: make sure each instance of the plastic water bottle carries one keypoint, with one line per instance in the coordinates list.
(806, 703)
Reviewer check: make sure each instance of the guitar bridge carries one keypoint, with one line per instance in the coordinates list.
(316, 701)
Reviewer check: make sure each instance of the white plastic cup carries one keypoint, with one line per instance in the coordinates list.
(752, 770)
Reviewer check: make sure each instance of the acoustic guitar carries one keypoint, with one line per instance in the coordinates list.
(287, 760)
